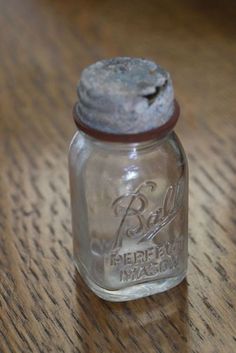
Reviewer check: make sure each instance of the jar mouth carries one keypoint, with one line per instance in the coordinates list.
(158, 132)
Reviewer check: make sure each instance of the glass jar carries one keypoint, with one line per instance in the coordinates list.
(129, 200)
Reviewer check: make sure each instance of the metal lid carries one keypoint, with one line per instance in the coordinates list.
(125, 96)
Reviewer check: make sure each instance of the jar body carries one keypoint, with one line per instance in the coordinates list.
(129, 215)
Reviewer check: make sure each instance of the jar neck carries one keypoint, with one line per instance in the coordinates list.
(123, 146)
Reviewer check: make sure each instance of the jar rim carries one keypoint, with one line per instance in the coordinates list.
(158, 132)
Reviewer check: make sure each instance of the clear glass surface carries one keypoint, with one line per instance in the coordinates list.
(129, 215)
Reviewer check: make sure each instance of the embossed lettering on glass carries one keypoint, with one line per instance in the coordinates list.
(129, 181)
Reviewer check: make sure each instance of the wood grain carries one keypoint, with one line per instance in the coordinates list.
(44, 44)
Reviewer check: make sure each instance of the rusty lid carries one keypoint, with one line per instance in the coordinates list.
(125, 100)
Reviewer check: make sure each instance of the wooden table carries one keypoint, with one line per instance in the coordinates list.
(44, 305)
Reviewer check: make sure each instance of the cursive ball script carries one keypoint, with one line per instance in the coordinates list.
(132, 206)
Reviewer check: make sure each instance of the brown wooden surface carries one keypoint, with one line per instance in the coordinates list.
(44, 44)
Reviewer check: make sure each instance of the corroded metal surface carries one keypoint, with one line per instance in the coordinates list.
(125, 95)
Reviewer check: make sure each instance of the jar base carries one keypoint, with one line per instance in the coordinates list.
(136, 291)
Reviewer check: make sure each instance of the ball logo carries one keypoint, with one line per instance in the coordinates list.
(137, 220)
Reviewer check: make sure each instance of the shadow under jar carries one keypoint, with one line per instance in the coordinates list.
(129, 181)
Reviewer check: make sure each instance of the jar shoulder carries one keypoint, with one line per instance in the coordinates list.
(95, 152)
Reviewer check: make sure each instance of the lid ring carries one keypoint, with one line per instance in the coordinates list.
(158, 132)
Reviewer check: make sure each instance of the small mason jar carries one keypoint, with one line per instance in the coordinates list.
(128, 180)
